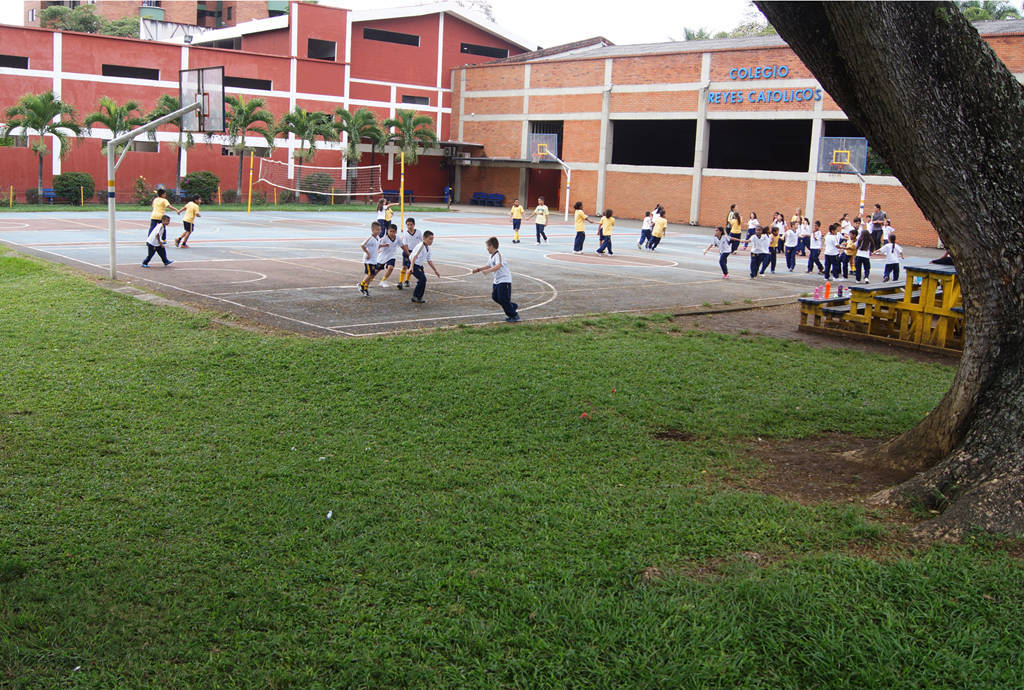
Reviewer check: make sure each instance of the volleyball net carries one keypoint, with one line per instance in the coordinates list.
(318, 181)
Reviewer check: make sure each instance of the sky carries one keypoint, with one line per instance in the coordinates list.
(551, 22)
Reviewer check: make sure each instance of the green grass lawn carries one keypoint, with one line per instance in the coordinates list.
(127, 208)
(184, 504)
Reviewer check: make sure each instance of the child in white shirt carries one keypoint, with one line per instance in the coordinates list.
(892, 253)
(155, 242)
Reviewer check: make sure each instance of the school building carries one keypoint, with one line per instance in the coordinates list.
(695, 125)
(312, 56)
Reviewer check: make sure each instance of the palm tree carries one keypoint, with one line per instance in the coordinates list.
(117, 118)
(306, 126)
(700, 34)
(164, 105)
(362, 124)
(244, 117)
(43, 114)
(412, 131)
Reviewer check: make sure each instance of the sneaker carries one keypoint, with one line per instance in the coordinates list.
(145, 265)
(384, 284)
(610, 253)
(599, 252)
(407, 283)
(363, 291)
(639, 245)
(399, 286)
(184, 246)
(725, 277)
(177, 241)
(538, 241)
(168, 263)
(866, 281)
(513, 319)
(417, 301)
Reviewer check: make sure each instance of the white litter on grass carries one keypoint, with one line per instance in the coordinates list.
(321, 458)
(76, 669)
(293, 447)
(329, 514)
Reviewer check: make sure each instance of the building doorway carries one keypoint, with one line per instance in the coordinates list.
(546, 183)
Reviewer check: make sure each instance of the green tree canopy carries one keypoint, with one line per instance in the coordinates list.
(119, 119)
(306, 126)
(242, 118)
(44, 115)
(84, 19)
(978, 10)
(412, 132)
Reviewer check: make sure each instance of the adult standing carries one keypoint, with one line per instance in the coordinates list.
(877, 222)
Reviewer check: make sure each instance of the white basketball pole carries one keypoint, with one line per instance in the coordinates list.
(112, 167)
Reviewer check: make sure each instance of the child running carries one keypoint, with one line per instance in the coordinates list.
(815, 249)
(421, 255)
(758, 251)
(792, 242)
(660, 224)
(155, 242)
(892, 253)
(645, 230)
(189, 221)
(369, 247)
(516, 213)
(389, 246)
(501, 288)
(410, 238)
(724, 246)
(607, 223)
(541, 213)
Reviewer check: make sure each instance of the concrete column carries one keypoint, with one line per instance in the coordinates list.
(700, 148)
(812, 163)
(606, 135)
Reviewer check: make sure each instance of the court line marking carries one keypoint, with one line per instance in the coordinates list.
(17, 226)
(262, 276)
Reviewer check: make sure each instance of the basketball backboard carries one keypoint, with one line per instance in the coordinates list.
(206, 85)
(845, 155)
(543, 147)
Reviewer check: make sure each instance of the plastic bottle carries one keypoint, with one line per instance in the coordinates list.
(840, 294)
(817, 292)
(828, 289)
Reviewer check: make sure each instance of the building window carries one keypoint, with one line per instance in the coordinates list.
(15, 61)
(416, 100)
(391, 37)
(31, 15)
(19, 141)
(781, 145)
(140, 146)
(230, 13)
(321, 50)
(130, 72)
(654, 142)
(247, 83)
(258, 151)
(486, 51)
(556, 127)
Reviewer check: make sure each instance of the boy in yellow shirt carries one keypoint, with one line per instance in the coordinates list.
(160, 205)
(517, 219)
(605, 231)
(189, 221)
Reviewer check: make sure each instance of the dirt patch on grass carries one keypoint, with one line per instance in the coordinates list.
(675, 435)
(813, 470)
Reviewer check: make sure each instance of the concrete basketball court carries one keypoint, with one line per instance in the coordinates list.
(298, 271)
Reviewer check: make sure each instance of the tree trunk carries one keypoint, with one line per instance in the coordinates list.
(177, 168)
(932, 97)
(241, 160)
(39, 181)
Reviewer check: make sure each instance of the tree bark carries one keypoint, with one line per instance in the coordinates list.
(932, 97)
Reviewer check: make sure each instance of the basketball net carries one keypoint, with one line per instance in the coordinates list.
(363, 180)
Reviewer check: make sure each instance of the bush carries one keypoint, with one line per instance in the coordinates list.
(259, 198)
(101, 195)
(229, 196)
(203, 183)
(72, 186)
(142, 191)
(317, 182)
(285, 196)
(32, 195)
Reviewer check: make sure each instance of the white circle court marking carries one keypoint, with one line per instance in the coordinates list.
(11, 225)
(262, 276)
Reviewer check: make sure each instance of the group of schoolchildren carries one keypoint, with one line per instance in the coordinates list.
(385, 245)
(156, 237)
(652, 231)
(846, 246)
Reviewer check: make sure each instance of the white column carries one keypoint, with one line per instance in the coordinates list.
(184, 152)
(462, 102)
(812, 163)
(700, 149)
(58, 69)
(293, 29)
(524, 144)
(348, 60)
(606, 134)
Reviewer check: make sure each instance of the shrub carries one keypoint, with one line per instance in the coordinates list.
(72, 186)
(32, 195)
(142, 192)
(101, 195)
(285, 196)
(203, 183)
(317, 182)
(259, 198)
(229, 196)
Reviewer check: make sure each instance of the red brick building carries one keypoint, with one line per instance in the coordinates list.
(317, 57)
(696, 126)
(211, 13)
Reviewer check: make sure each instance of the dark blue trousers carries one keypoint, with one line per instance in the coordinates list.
(421, 282)
(502, 294)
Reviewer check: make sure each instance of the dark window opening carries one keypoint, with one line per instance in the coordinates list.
(549, 127)
(781, 145)
(839, 128)
(130, 72)
(225, 43)
(229, 14)
(654, 142)
(258, 151)
(321, 50)
(247, 83)
(391, 37)
(416, 100)
(486, 51)
(145, 146)
(15, 61)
